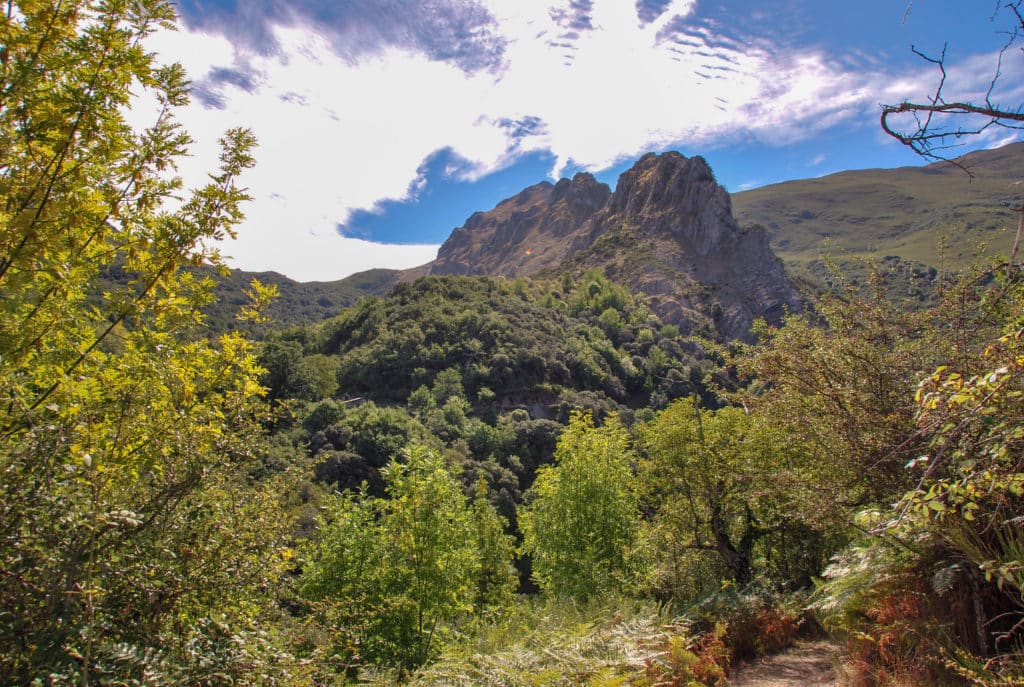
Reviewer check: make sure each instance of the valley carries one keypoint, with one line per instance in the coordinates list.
(640, 436)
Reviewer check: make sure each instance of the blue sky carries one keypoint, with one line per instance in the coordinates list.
(383, 124)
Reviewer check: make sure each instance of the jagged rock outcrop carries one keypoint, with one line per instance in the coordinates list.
(703, 271)
(667, 230)
(525, 233)
(673, 195)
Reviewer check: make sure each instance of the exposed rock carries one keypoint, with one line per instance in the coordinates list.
(525, 233)
(674, 195)
(667, 231)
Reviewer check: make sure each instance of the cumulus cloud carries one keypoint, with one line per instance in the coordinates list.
(349, 99)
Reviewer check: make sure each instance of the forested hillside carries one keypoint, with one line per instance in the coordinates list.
(470, 480)
(488, 369)
(294, 302)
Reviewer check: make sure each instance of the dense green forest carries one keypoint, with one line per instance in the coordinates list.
(466, 480)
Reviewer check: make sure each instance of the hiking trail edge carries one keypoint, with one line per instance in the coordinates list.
(806, 664)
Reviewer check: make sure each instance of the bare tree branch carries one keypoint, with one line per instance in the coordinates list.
(936, 124)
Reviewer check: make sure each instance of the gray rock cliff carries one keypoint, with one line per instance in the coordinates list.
(667, 230)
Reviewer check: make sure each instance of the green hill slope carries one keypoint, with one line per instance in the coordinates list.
(514, 343)
(935, 214)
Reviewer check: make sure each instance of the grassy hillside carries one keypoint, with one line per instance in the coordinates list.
(934, 214)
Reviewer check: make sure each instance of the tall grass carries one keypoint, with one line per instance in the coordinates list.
(548, 642)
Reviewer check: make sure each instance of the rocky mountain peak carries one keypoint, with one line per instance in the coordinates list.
(667, 231)
(582, 191)
(524, 233)
(673, 194)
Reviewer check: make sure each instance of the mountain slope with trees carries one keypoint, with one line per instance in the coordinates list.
(911, 221)
(488, 369)
(666, 231)
(472, 479)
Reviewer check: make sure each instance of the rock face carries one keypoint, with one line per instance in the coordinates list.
(673, 195)
(667, 231)
(525, 233)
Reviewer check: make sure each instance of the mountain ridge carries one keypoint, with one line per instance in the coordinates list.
(852, 215)
(523, 234)
(934, 214)
(667, 230)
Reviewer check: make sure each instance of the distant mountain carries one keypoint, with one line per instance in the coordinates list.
(707, 260)
(298, 302)
(666, 231)
(934, 214)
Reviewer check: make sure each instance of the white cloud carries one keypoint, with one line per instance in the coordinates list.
(338, 135)
(976, 79)
(333, 138)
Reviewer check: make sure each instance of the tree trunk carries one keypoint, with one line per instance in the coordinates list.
(737, 560)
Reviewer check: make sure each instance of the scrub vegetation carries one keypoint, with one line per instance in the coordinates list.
(460, 480)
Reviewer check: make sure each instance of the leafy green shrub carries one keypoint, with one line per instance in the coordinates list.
(582, 514)
(940, 585)
(410, 565)
(127, 510)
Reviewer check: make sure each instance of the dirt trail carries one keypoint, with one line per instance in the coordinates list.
(807, 664)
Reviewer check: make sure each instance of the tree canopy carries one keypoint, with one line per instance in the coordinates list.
(582, 516)
(401, 569)
(127, 517)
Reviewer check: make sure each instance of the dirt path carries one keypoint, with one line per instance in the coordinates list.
(807, 664)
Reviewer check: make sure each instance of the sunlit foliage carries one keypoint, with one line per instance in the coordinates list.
(128, 521)
(581, 519)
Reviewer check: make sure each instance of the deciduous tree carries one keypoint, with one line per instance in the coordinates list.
(126, 513)
(722, 482)
(835, 380)
(582, 514)
(497, 581)
(409, 562)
